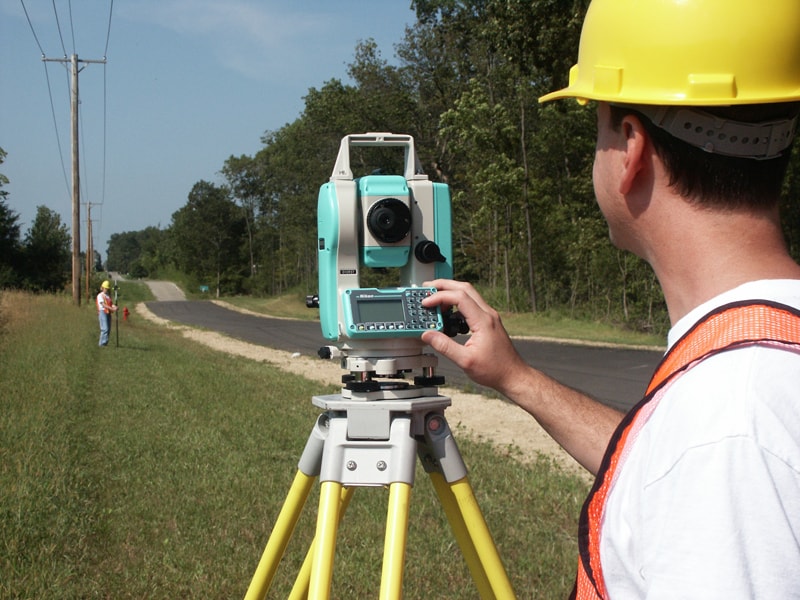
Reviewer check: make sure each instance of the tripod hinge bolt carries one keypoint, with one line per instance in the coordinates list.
(381, 465)
(351, 465)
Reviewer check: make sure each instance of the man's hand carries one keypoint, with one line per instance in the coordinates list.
(488, 357)
(580, 424)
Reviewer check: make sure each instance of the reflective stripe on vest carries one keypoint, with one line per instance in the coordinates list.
(728, 327)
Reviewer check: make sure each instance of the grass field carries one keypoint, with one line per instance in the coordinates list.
(156, 469)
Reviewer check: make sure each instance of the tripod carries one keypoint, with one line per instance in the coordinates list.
(360, 442)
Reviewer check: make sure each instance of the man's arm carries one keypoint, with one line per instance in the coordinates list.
(581, 425)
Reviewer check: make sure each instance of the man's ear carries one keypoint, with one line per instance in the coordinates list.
(635, 145)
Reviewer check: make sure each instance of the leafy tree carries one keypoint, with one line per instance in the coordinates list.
(294, 169)
(98, 262)
(47, 254)
(384, 99)
(123, 249)
(154, 249)
(502, 55)
(9, 236)
(246, 187)
(140, 253)
(206, 237)
(3, 178)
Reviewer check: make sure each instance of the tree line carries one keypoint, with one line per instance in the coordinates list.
(465, 84)
(39, 261)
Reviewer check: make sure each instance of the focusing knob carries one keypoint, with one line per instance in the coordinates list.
(428, 252)
(454, 323)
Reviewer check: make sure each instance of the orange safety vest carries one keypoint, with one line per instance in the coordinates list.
(104, 303)
(726, 328)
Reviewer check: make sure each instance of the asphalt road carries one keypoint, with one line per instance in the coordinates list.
(615, 376)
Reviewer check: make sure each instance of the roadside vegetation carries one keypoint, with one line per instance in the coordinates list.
(155, 469)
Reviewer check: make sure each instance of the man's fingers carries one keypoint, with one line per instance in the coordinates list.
(473, 312)
(444, 346)
(460, 289)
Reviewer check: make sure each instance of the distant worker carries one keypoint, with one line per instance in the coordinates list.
(105, 306)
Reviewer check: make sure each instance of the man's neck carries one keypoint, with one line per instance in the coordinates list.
(715, 252)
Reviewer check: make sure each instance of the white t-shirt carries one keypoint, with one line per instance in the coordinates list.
(101, 302)
(707, 504)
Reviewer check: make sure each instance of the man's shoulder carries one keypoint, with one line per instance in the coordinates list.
(749, 393)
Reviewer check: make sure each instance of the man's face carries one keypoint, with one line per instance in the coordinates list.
(603, 176)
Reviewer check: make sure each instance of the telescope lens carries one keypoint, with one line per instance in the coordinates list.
(389, 220)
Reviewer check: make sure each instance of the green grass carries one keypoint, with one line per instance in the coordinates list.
(131, 292)
(549, 325)
(156, 469)
(292, 306)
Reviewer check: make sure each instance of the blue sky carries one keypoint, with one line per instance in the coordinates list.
(188, 83)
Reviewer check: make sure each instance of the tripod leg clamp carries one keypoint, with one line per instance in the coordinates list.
(440, 453)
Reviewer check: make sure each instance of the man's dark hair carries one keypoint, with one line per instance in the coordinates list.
(715, 180)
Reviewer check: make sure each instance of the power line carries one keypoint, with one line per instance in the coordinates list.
(105, 130)
(68, 84)
(49, 93)
(105, 102)
(31, 26)
(84, 156)
(55, 125)
(71, 26)
(76, 126)
(58, 26)
(108, 33)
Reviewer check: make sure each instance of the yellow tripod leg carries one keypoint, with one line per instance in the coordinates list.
(394, 547)
(325, 540)
(459, 527)
(279, 538)
(300, 588)
(482, 539)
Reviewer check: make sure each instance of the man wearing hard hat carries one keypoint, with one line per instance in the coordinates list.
(698, 488)
(105, 306)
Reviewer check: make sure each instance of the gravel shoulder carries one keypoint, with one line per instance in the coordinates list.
(512, 431)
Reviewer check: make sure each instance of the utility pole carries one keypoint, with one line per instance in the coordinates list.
(76, 182)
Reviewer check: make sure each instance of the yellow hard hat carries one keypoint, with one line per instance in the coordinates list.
(106, 285)
(687, 53)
